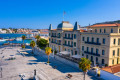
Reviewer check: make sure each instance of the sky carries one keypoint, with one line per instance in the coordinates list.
(39, 14)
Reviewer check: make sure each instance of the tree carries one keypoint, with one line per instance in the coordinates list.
(23, 38)
(37, 37)
(84, 65)
(32, 44)
(42, 43)
(48, 51)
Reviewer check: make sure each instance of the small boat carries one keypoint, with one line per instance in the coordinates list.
(19, 39)
(2, 40)
(11, 39)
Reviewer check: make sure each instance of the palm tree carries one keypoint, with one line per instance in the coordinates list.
(84, 65)
(23, 38)
(48, 51)
(37, 37)
(32, 44)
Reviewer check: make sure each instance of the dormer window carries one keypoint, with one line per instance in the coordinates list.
(112, 30)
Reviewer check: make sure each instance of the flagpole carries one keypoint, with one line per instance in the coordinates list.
(63, 16)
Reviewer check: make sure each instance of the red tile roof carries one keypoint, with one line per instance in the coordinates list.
(112, 69)
(105, 25)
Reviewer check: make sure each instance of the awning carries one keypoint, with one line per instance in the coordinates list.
(65, 52)
(76, 56)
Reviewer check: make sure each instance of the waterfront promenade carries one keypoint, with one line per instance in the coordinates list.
(25, 63)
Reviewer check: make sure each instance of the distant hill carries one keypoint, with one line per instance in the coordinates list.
(109, 22)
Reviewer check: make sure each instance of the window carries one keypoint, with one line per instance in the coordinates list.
(97, 40)
(65, 35)
(118, 41)
(112, 61)
(87, 49)
(95, 30)
(82, 48)
(91, 50)
(92, 39)
(103, 52)
(87, 39)
(82, 54)
(103, 40)
(113, 52)
(83, 38)
(74, 44)
(65, 42)
(112, 30)
(68, 43)
(74, 36)
(75, 52)
(71, 43)
(96, 59)
(72, 52)
(118, 52)
(68, 35)
(114, 41)
(100, 30)
(92, 58)
(97, 51)
(104, 30)
(102, 61)
(117, 60)
(87, 56)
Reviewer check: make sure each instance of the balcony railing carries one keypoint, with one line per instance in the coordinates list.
(58, 36)
(92, 43)
(91, 53)
(53, 36)
(68, 45)
(68, 38)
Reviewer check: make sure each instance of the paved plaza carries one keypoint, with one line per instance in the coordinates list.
(25, 63)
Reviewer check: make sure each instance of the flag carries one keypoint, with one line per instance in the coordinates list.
(64, 12)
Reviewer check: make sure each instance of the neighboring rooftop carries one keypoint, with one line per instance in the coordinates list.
(112, 69)
(105, 25)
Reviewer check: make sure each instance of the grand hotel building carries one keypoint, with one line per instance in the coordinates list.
(100, 43)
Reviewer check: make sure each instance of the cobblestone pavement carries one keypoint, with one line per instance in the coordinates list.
(25, 63)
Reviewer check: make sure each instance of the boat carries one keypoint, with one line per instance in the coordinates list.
(19, 39)
(2, 40)
(11, 39)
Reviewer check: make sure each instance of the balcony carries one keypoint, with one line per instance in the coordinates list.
(58, 36)
(53, 36)
(91, 53)
(68, 45)
(68, 38)
(94, 43)
(59, 43)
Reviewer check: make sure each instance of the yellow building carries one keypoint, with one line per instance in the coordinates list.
(100, 43)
